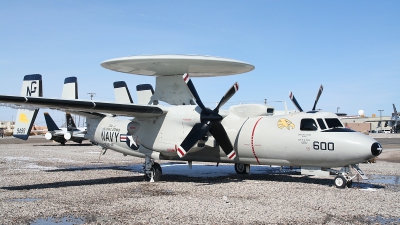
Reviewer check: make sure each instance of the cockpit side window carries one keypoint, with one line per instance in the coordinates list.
(333, 122)
(308, 124)
(321, 123)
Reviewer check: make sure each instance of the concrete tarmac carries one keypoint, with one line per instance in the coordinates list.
(42, 182)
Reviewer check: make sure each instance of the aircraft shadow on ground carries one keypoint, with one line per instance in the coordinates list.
(66, 145)
(200, 180)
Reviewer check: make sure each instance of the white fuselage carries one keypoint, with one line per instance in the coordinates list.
(267, 140)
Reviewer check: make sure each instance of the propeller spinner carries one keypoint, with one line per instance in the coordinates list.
(210, 121)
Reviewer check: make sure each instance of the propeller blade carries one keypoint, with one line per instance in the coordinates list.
(220, 135)
(321, 88)
(198, 131)
(227, 96)
(291, 96)
(192, 90)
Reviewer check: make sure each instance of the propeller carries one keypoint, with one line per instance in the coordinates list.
(291, 96)
(210, 121)
(321, 88)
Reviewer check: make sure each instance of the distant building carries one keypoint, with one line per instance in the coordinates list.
(369, 124)
(8, 126)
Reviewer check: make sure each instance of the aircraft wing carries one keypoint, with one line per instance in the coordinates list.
(130, 110)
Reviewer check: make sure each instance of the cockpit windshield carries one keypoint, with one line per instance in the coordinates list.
(333, 122)
(308, 124)
(326, 125)
(334, 125)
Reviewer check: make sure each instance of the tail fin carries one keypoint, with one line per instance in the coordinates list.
(31, 86)
(70, 89)
(144, 94)
(70, 122)
(121, 91)
(51, 125)
(396, 117)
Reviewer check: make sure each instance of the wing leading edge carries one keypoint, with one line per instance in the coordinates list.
(131, 110)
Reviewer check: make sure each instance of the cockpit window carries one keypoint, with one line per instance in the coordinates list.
(321, 124)
(333, 122)
(308, 124)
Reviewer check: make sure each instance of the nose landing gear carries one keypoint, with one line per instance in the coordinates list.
(345, 178)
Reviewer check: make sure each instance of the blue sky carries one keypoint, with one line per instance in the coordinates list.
(351, 47)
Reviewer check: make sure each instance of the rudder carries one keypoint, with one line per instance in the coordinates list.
(31, 86)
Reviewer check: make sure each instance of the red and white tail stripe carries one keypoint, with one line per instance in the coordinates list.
(186, 77)
(232, 155)
(181, 152)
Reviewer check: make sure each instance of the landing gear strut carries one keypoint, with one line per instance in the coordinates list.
(345, 178)
(152, 170)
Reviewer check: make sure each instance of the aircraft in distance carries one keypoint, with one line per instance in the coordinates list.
(393, 122)
(248, 134)
(62, 135)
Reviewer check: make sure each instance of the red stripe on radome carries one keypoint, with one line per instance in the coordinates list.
(236, 86)
(252, 140)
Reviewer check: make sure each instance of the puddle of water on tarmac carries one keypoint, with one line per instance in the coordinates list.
(381, 220)
(63, 221)
(384, 179)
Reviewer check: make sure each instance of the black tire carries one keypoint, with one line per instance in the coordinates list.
(62, 143)
(240, 168)
(157, 173)
(340, 181)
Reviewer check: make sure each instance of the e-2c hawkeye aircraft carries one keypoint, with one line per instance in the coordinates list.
(244, 135)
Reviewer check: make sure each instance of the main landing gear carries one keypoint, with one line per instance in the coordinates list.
(242, 168)
(345, 178)
(152, 170)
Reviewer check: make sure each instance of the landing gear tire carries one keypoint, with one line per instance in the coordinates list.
(155, 171)
(242, 168)
(340, 181)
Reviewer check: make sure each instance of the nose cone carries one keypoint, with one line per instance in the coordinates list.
(376, 149)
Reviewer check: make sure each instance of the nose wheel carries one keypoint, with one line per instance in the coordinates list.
(344, 177)
(342, 182)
